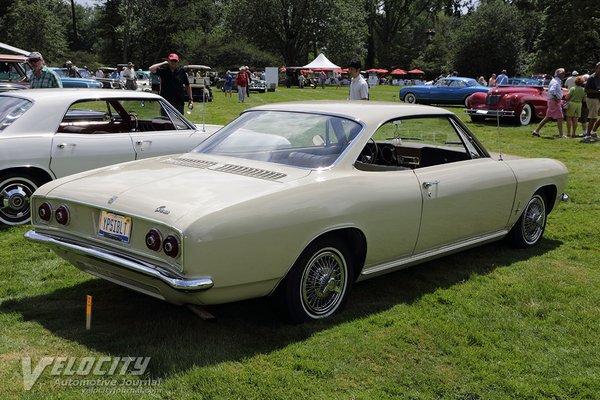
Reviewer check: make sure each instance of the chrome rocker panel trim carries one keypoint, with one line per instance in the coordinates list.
(168, 277)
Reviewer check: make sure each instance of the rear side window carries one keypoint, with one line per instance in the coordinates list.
(11, 109)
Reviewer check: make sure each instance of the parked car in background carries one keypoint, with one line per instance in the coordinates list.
(51, 133)
(143, 81)
(77, 81)
(13, 72)
(454, 90)
(524, 82)
(258, 85)
(107, 81)
(521, 104)
(199, 78)
(298, 201)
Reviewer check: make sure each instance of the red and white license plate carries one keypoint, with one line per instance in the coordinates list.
(114, 226)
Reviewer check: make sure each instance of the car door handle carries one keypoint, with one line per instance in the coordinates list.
(429, 184)
(63, 145)
(141, 142)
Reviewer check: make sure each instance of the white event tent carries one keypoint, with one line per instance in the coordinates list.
(321, 62)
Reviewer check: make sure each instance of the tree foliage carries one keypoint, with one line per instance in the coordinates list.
(474, 37)
(488, 40)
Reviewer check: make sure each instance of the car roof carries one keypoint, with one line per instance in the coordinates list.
(60, 95)
(371, 112)
(196, 67)
(12, 58)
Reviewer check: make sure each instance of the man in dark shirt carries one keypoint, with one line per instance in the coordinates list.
(173, 81)
(592, 90)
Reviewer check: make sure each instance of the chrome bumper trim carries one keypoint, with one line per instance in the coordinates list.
(168, 277)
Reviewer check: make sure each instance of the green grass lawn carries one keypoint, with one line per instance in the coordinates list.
(489, 323)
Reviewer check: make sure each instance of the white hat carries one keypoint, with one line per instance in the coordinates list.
(574, 73)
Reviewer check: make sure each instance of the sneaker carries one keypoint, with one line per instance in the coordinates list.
(535, 133)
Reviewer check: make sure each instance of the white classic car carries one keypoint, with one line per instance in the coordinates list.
(299, 201)
(50, 133)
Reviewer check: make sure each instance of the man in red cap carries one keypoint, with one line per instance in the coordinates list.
(173, 81)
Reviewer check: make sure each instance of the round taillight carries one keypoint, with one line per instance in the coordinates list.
(171, 246)
(62, 215)
(45, 212)
(153, 239)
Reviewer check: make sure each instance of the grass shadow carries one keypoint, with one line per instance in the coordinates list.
(128, 323)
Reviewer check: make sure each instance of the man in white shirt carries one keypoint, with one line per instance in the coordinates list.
(359, 89)
(570, 82)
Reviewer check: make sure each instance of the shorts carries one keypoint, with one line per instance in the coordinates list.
(593, 106)
(227, 88)
(574, 110)
(584, 112)
(554, 110)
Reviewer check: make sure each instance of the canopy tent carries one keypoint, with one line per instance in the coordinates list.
(321, 63)
(341, 70)
(398, 71)
(415, 71)
(377, 71)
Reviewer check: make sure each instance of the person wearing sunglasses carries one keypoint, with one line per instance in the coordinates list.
(41, 76)
(174, 82)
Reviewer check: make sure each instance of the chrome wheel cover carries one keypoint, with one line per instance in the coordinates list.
(410, 98)
(324, 283)
(14, 200)
(534, 220)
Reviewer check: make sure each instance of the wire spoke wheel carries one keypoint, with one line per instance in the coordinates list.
(323, 282)
(534, 220)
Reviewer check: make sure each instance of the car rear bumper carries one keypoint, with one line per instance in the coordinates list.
(120, 268)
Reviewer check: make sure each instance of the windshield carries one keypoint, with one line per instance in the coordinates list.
(298, 139)
(11, 109)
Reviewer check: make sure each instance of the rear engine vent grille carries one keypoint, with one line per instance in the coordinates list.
(252, 172)
(190, 162)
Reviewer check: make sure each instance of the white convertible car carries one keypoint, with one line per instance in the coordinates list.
(299, 201)
(50, 133)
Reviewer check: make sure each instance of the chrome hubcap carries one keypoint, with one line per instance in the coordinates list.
(324, 282)
(14, 202)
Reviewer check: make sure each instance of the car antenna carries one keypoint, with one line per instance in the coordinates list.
(499, 141)
(203, 111)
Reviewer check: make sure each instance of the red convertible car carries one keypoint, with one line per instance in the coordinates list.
(520, 103)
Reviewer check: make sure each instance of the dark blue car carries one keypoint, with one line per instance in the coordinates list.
(445, 91)
(75, 82)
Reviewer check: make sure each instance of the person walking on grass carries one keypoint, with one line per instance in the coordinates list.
(554, 109)
(573, 112)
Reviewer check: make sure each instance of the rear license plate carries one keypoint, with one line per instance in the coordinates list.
(114, 226)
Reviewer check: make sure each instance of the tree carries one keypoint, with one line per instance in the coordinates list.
(295, 28)
(564, 40)
(44, 33)
(488, 40)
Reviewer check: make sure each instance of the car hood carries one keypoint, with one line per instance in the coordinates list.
(516, 89)
(169, 188)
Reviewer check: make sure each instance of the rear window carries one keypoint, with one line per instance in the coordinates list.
(11, 109)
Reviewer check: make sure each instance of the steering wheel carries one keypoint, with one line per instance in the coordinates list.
(133, 119)
(370, 153)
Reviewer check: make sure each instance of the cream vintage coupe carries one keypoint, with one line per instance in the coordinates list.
(298, 201)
